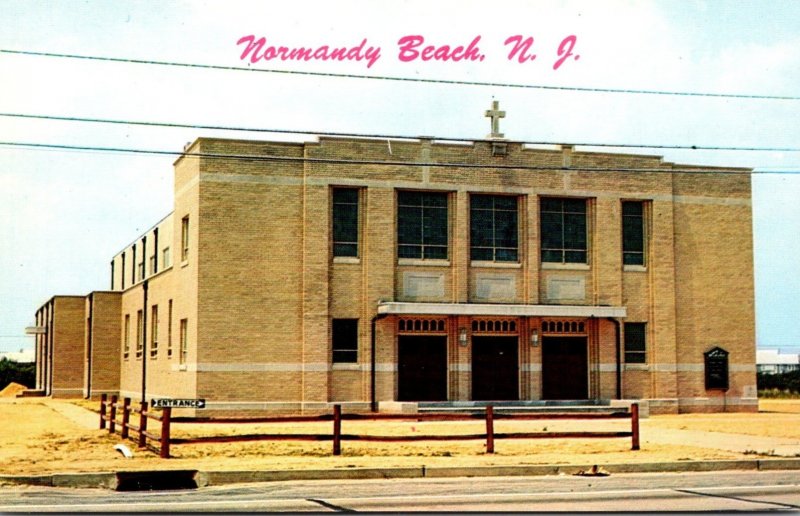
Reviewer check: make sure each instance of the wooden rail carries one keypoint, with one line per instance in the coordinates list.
(489, 416)
(108, 414)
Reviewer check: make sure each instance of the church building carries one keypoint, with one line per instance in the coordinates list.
(373, 272)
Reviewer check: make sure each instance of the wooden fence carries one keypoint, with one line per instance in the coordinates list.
(111, 410)
(164, 440)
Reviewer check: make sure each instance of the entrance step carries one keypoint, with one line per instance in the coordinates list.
(578, 409)
(516, 404)
(537, 406)
(31, 393)
(560, 406)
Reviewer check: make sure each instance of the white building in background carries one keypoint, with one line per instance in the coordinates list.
(22, 356)
(773, 361)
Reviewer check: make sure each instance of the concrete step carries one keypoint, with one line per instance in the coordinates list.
(577, 409)
(530, 406)
(31, 393)
(515, 403)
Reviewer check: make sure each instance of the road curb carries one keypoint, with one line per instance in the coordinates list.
(216, 478)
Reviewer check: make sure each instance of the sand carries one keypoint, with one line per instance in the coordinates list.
(11, 390)
(36, 439)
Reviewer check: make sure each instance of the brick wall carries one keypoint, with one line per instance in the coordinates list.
(260, 287)
(102, 375)
(69, 326)
(268, 287)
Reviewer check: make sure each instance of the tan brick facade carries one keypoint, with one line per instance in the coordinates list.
(101, 344)
(259, 288)
(60, 349)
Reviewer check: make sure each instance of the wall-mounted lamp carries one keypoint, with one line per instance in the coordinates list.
(462, 336)
(534, 337)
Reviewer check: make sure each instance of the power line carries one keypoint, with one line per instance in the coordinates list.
(393, 163)
(383, 136)
(401, 79)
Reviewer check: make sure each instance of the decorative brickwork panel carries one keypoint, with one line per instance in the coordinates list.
(420, 325)
(563, 327)
(495, 326)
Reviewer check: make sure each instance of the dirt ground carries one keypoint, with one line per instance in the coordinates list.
(37, 439)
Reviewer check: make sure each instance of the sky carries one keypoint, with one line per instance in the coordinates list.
(64, 212)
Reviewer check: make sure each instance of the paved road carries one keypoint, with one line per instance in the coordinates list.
(751, 491)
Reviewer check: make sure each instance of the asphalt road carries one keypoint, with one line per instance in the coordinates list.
(728, 491)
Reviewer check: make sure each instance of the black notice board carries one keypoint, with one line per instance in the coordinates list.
(716, 362)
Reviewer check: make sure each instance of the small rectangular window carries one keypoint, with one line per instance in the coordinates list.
(143, 261)
(165, 261)
(345, 222)
(169, 329)
(635, 339)
(133, 266)
(422, 225)
(345, 341)
(633, 231)
(122, 272)
(494, 231)
(112, 274)
(154, 258)
(185, 238)
(154, 332)
(184, 342)
(139, 334)
(563, 230)
(126, 346)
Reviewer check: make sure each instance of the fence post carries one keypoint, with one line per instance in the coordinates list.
(126, 416)
(103, 398)
(142, 424)
(337, 429)
(165, 415)
(634, 426)
(489, 429)
(112, 416)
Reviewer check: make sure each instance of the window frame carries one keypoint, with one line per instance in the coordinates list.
(139, 334)
(185, 239)
(544, 232)
(350, 351)
(154, 331)
(133, 266)
(643, 230)
(427, 223)
(169, 329)
(336, 222)
(183, 352)
(126, 342)
(473, 221)
(628, 344)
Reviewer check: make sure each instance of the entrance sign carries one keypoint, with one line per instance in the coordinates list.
(178, 403)
(716, 369)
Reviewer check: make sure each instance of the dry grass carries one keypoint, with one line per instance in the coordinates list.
(780, 405)
(35, 439)
(776, 418)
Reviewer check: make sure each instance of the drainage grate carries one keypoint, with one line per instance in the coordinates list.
(156, 480)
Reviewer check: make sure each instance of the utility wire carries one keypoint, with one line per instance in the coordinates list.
(393, 163)
(380, 136)
(401, 79)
